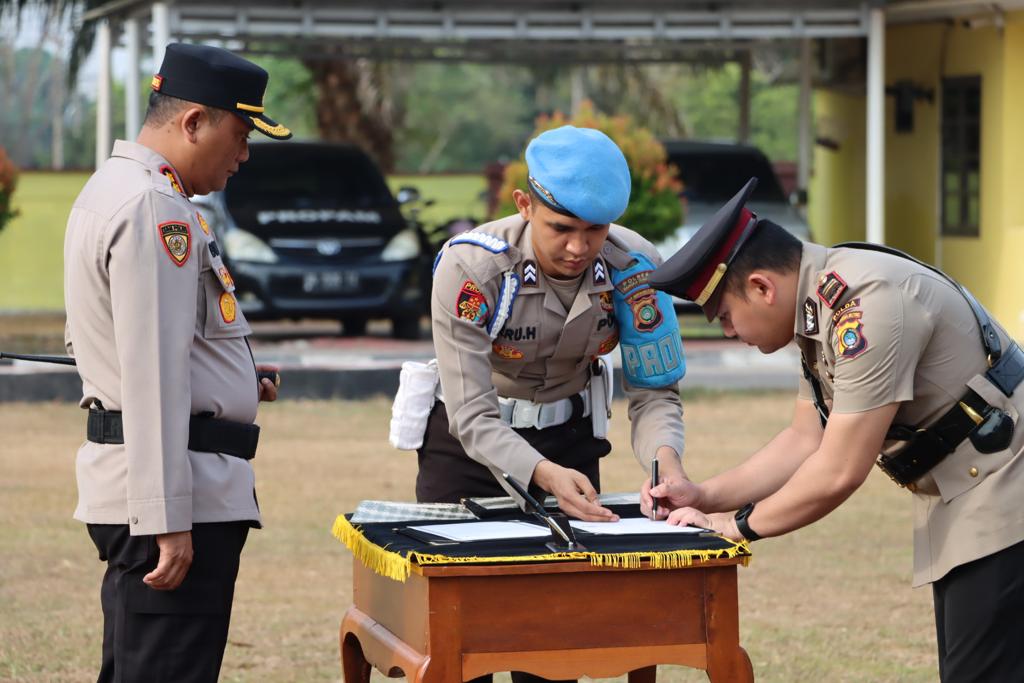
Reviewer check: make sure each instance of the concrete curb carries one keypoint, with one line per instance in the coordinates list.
(362, 383)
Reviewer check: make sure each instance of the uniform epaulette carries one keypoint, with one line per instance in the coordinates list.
(493, 244)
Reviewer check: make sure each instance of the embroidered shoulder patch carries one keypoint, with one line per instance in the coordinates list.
(507, 351)
(852, 303)
(471, 304)
(600, 272)
(173, 177)
(810, 316)
(848, 336)
(830, 288)
(493, 244)
(228, 309)
(529, 274)
(646, 315)
(177, 239)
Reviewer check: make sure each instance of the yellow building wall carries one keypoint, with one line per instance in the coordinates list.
(912, 159)
(990, 264)
(970, 260)
(1007, 300)
(835, 206)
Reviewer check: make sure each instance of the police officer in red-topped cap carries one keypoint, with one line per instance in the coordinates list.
(165, 483)
(898, 360)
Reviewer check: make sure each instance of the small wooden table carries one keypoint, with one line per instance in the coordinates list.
(557, 620)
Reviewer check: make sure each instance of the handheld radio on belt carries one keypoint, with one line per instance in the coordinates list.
(990, 429)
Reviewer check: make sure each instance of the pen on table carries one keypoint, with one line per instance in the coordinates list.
(538, 509)
(654, 482)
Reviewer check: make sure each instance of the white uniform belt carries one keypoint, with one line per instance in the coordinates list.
(520, 413)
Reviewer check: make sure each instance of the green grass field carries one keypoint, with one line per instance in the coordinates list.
(31, 247)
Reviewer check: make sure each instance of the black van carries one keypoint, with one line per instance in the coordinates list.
(311, 230)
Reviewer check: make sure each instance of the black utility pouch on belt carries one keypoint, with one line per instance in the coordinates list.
(205, 433)
(989, 428)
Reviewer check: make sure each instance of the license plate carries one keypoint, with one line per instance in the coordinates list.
(330, 282)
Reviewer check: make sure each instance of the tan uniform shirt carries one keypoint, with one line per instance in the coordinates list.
(884, 329)
(542, 354)
(157, 335)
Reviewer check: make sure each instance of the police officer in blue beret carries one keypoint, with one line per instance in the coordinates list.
(523, 308)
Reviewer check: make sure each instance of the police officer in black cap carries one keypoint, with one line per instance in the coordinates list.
(165, 483)
(898, 360)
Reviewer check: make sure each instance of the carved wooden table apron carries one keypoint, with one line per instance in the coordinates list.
(557, 620)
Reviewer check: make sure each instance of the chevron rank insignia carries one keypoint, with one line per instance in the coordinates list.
(600, 273)
(177, 239)
(529, 274)
(493, 244)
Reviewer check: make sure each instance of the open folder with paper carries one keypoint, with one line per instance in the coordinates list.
(466, 532)
(630, 526)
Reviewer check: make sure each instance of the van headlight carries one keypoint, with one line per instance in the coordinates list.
(402, 247)
(240, 245)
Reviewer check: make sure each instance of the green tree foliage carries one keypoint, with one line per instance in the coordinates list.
(28, 130)
(461, 116)
(708, 99)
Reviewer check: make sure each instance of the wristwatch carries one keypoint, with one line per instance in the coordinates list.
(741, 522)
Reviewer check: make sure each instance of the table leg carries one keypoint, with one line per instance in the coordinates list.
(648, 674)
(354, 666)
(732, 667)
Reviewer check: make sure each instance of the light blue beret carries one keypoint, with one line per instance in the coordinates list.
(581, 171)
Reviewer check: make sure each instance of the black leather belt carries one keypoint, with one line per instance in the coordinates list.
(927, 447)
(205, 433)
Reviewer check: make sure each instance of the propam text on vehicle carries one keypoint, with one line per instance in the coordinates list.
(317, 216)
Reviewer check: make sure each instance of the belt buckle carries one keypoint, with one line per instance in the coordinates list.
(525, 414)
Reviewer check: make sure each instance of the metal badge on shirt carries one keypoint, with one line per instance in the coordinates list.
(810, 316)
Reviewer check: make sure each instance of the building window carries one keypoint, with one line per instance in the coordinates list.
(961, 156)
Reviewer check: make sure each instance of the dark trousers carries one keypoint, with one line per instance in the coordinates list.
(446, 474)
(978, 622)
(152, 636)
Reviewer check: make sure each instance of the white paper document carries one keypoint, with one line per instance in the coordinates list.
(633, 525)
(484, 531)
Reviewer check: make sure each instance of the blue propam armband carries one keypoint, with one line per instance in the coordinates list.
(652, 352)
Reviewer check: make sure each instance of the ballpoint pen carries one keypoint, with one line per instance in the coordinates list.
(538, 509)
(654, 482)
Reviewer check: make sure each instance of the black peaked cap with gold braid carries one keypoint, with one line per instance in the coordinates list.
(696, 272)
(217, 78)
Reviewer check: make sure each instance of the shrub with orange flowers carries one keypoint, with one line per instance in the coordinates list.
(655, 209)
(8, 181)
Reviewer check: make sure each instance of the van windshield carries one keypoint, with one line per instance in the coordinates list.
(283, 176)
(716, 177)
